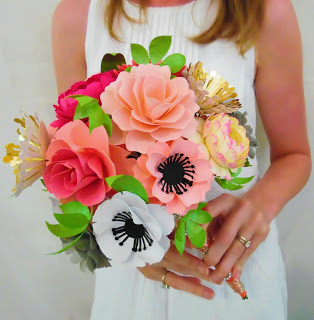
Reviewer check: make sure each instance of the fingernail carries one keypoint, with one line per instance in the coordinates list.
(236, 274)
(203, 270)
(209, 295)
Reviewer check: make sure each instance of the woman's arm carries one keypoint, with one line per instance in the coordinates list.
(68, 42)
(280, 97)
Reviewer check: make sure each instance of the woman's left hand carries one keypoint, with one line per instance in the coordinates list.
(241, 217)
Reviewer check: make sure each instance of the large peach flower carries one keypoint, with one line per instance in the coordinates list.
(178, 175)
(150, 106)
(78, 163)
(225, 143)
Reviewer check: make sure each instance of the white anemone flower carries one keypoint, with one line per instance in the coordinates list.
(130, 231)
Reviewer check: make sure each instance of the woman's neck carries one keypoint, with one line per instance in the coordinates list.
(163, 3)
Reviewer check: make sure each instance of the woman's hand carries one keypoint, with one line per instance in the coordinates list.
(186, 264)
(240, 217)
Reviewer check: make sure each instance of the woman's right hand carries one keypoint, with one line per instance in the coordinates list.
(190, 266)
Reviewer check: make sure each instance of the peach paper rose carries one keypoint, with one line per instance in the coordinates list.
(78, 163)
(150, 106)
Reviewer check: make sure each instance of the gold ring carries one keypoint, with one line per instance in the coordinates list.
(246, 242)
(163, 283)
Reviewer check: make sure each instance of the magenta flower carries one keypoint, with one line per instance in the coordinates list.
(92, 87)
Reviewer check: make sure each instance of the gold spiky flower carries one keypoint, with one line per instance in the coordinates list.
(213, 94)
(28, 159)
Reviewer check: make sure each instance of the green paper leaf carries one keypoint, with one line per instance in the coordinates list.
(202, 205)
(43, 182)
(76, 207)
(127, 183)
(233, 187)
(72, 220)
(235, 174)
(242, 180)
(63, 232)
(196, 234)
(179, 237)
(222, 182)
(158, 48)
(110, 61)
(175, 62)
(200, 216)
(107, 123)
(97, 118)
(68, 246)
(89, 108)
(139, 54)
(128, 69)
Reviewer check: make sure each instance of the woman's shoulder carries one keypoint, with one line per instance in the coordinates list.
(69, 24)
(279, 28)
(71, 16)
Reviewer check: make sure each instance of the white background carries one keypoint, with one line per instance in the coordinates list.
(36, 286)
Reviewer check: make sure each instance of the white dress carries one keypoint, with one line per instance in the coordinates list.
(124, 293)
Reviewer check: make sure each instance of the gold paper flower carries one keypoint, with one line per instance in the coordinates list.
(28, 159)
(213, 94)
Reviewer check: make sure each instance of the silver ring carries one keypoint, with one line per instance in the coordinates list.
(229, 276)
(163, 283)
(246, 242)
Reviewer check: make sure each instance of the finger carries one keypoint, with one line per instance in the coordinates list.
(188, 285)
(256, 240)
(225, 236)
(190, 264)
(186, 270)
(218, 205)
(231, 256)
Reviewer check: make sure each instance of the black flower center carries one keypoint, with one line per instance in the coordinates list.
(177, 173)
(131, 230)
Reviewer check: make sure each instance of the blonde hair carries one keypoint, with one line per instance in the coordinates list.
(236, 20)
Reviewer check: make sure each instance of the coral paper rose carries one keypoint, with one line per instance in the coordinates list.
(225, 143)
(91, 87)
(178, 175)
(150, 106)
(78, 162)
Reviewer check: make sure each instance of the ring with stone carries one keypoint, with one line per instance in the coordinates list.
(163, 283)
(246, 242)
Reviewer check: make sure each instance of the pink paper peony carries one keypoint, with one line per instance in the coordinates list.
(178, 175)
(150, 106)
(78, 163)
(225, 143)
(91, 87)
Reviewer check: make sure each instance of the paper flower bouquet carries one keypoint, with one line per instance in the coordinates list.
(132, 147)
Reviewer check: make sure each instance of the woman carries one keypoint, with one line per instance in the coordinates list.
(271, 65)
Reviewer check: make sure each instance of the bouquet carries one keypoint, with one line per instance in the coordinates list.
(131, 155)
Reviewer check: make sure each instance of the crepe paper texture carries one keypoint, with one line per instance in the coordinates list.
(225, 143)
(130, 231)
(190, 225)
(127, 183)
